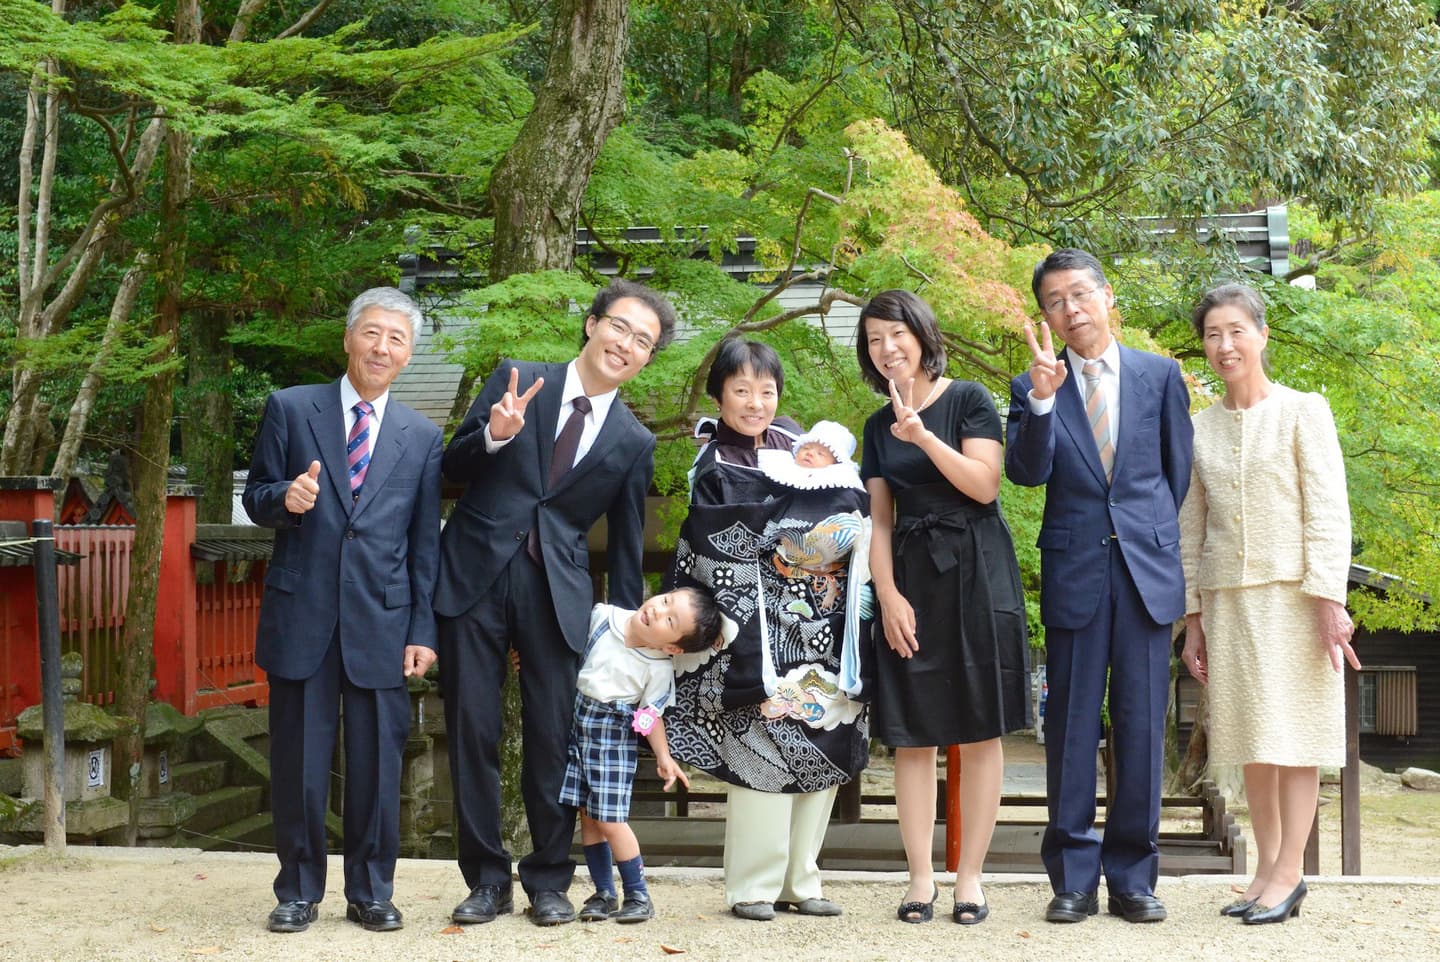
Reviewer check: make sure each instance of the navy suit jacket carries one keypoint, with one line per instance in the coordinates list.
(506, 494)
(1141, 505)
(367, 566)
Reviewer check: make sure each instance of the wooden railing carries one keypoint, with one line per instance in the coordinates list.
(205, 619)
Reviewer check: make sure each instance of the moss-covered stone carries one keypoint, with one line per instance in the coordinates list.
(85, 723)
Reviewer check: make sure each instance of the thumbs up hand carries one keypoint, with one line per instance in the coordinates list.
(301, 495)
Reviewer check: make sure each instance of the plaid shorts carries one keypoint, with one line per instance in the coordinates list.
(600, 767)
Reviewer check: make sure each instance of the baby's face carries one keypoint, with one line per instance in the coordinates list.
(814, 455)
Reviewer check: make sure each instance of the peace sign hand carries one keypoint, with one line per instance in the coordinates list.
(907, 427)
(507, 415)
(1047, 372)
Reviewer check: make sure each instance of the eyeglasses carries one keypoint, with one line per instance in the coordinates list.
(624, 330)
(1059, 303)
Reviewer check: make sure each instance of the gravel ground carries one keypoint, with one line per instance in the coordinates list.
(128, 905)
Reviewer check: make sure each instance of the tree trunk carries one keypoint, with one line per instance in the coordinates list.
(537, 188)
(120, 311)
(132, 689)
(207, 431)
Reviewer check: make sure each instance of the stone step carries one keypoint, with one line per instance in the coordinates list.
(253, 833)
(224, 806)
(197, 778)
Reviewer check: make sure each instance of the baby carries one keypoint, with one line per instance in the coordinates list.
(625, 683)
(820, 459)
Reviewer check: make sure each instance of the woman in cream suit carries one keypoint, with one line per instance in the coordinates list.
(1265, 540)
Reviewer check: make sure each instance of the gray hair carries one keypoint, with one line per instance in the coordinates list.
(1229, 295)
(387, 299)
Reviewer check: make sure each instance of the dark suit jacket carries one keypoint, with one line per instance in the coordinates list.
(368, 565)
(1141, 505)
(506, 495)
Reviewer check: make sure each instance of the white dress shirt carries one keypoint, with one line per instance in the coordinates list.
(599, 408)
(1109, 384)
(349, 397)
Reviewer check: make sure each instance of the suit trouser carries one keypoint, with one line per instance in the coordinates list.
(304, 717)
(1136, 651)
(517, 613)
(772, 844)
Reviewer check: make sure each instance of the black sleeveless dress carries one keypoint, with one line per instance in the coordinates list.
(955, 563)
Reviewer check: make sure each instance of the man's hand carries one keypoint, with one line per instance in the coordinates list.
(300, 496)
(507, 415)
(1047, 372)
(668, 769)
(418, 660)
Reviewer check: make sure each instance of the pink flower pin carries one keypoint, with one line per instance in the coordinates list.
(644, 721)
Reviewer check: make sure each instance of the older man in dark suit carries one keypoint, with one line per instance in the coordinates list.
(544, 452)
(1113, 451)
(350, 480)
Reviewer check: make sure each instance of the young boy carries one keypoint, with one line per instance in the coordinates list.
(625, 683)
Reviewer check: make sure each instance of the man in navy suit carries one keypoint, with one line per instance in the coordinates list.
(1113, 449)
(544, 452)
(350, 480)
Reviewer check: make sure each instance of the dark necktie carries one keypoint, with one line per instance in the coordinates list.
(357, 447)
(562, 459)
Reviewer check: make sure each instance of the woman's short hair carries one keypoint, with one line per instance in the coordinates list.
(914, 313)
(1229, 295)
(735, 355)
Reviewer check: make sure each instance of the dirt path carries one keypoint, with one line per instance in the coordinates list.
(119, 905)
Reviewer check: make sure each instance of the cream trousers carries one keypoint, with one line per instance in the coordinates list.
(772, 844)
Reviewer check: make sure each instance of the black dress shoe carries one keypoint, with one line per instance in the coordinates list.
(1136, 907)
(599, 907)
(637, 907)
(293, 916)
(551, 908)
(1288, 907)
(375, 916)
(1238, 908)
(1072, 906)
(484, 903)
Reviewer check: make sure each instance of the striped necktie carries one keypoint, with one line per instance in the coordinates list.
(1099, 414)
(357, 447)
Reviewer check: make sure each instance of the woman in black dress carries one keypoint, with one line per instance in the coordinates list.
(954, 667)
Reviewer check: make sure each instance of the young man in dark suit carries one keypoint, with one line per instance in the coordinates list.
(545, 450)
(350, 480)
(1113, 450)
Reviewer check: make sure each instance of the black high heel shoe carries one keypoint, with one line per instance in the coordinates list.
(1238, 908)
(1288, 907)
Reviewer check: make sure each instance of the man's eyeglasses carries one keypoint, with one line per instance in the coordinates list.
(624, 331)
(1057, 304)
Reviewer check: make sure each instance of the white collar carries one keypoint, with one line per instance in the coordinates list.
(599, 403)
(349, 397)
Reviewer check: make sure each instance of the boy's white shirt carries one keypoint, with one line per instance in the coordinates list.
(612, 672)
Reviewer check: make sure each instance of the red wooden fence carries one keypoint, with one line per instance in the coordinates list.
(204, 640)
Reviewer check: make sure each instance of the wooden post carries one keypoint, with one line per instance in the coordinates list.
(1312, 847)
(1350, 779)
(53, 712)
(953, 828)
(176, 677)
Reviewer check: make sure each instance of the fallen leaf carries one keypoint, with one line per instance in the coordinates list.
(205, 950)
(1362, 921)
(1023, 934)
(1237, 888)
(624, 939)
(671, 950)
(158, 928)
(200, 876)
(1399, 901)
(452, 930)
